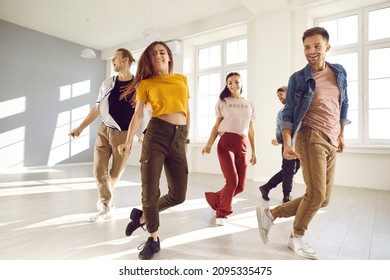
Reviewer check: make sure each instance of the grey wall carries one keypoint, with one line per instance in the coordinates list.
(35, 65)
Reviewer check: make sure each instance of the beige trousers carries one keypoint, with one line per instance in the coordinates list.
(318, 161)
(106, 173)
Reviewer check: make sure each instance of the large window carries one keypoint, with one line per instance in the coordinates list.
(360, 41)
(214, 62)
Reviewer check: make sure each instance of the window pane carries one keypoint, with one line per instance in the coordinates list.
(331, 27)
(379, 97)
(212, 100)
(350, 62)
(203, 85)
(351, 130)
(209, 57)
(376, 66)
(203, 110)
(378, 24)
(353, 97)
(209, 88)
(342, 31)
(236, 52)
(376, 128)
(348, 30)
(203, 127)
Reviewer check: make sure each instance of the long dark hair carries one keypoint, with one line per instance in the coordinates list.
(226, 92)
(146, 69)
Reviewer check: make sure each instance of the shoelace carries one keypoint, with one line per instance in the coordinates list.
(143, 245)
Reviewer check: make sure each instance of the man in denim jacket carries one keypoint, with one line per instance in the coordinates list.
(313, 122)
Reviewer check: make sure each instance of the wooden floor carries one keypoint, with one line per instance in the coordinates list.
(44, 216)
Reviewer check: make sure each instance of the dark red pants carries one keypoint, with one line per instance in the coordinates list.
(232, 158)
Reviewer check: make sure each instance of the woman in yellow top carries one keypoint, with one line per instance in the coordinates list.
(164, 143)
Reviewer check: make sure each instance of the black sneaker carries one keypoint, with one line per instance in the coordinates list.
(264, 193)
(287, 198)
(135, 215)
(149, 248)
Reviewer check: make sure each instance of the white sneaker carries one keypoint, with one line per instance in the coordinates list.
(298, 244)
(101, 215)
(265, 223)
(100, 206)
(220, 221)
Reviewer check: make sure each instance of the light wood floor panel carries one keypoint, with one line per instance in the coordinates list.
(44, 216)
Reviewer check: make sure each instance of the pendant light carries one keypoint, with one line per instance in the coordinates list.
(87, 52)
(151, 34)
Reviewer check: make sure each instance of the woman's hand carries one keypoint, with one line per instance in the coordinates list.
(124, 149)
(206, 149)
(253, 160)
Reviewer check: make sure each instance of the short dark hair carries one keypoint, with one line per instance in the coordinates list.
(316, 31)
(282, 89)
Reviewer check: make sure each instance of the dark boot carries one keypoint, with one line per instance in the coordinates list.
(287, 198)
(150, 247)
(135, 216)
(264, 192)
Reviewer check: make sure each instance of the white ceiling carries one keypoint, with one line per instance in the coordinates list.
(115, 22)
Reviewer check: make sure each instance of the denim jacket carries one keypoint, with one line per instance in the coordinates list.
(300, 92)
(278, 131)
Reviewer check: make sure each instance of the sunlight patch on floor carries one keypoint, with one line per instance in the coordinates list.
(52, 186)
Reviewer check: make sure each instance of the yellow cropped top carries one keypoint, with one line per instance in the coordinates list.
(166, 94)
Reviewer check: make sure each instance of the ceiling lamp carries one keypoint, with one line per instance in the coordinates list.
(151, 34)
(87, 52)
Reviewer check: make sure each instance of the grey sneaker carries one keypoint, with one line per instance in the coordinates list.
(298, 244)
(101, 215)
(265, 223)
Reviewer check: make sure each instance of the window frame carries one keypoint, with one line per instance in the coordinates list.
(362, 47)
(223, 69)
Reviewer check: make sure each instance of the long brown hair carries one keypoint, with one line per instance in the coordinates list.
(146, 69)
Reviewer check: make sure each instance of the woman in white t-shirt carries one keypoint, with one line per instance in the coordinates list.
(234, 125)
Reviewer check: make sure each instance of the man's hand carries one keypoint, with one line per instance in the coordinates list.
(75, 132)
(289, 153)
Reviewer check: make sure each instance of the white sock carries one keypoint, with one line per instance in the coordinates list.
(269, 214)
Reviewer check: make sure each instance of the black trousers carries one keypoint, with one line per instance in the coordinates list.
(284, 176)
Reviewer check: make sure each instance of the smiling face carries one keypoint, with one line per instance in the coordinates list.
(234, 85)
(315, 49)
(160, 60)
